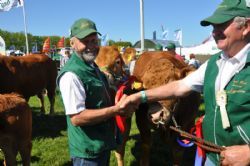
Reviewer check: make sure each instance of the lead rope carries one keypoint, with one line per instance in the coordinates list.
(162, 121)
(209, 146)
(206, 145)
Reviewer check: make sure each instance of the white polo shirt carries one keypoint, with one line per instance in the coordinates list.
(228, 67)
(73, 93)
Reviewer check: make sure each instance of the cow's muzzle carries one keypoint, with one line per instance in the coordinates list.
(158, 114)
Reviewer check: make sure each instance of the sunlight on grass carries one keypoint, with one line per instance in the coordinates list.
(50, 142)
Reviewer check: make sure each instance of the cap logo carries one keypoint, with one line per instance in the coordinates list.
(84, 25)
(222, 6)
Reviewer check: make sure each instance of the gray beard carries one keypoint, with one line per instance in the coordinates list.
(88, 57)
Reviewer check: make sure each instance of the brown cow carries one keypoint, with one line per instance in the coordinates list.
(153, 69)
(15, 128)
(29, 75)
(109, 61)
(128, 55)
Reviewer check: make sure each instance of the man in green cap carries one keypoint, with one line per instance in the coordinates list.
(87, 102)
(224, 81)
(171, 48)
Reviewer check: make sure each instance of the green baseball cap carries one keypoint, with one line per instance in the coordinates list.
(158, 47)
(170, 46)
(82, 28)
(228, 10)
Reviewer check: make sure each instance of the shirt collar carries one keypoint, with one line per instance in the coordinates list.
(240, 56)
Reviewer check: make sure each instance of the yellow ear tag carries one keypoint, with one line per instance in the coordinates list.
(129, 58)
(137, 85)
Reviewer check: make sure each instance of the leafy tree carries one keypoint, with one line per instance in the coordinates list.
(123, 44)
(18, 40)
(111, 42)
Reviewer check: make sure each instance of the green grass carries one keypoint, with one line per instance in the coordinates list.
(50, 146)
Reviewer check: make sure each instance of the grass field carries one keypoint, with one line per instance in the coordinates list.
(50, 146)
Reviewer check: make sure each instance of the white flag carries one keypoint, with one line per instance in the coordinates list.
(6, 5)
(178, 36)
(2, 46)
(104, 39)
(164, 33)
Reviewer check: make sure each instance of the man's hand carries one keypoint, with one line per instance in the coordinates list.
(132, 100)
(238, 155)
(126, 108)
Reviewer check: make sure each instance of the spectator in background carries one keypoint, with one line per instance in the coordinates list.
(194, 62)
(171, 47)
(158, 47)
(64, 58)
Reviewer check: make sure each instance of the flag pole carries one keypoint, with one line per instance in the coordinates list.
(25, 29)
(181, 42)
(142, 24)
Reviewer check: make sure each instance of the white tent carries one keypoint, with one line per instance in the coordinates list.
(2, 46)
(208, 47)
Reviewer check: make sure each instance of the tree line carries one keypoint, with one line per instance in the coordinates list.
(17, 40)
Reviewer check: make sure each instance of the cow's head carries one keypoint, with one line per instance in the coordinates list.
(155, 69)
(128, 55)
(110, 62)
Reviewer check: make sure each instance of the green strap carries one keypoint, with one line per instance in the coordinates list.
(144, 97)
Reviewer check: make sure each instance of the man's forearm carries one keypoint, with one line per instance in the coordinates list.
(168, 91)
(92, 116)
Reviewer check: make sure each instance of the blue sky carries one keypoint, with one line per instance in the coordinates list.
(120, 19)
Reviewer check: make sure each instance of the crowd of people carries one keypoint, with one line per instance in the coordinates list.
(191, 60)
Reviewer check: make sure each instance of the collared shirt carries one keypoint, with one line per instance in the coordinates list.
(177, 56)
(73, 93)
(228, 67)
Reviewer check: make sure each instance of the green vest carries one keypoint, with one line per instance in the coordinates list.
(238, 108)
(89, 141)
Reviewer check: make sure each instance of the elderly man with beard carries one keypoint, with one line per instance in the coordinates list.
(224, 81)
(87, 102)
